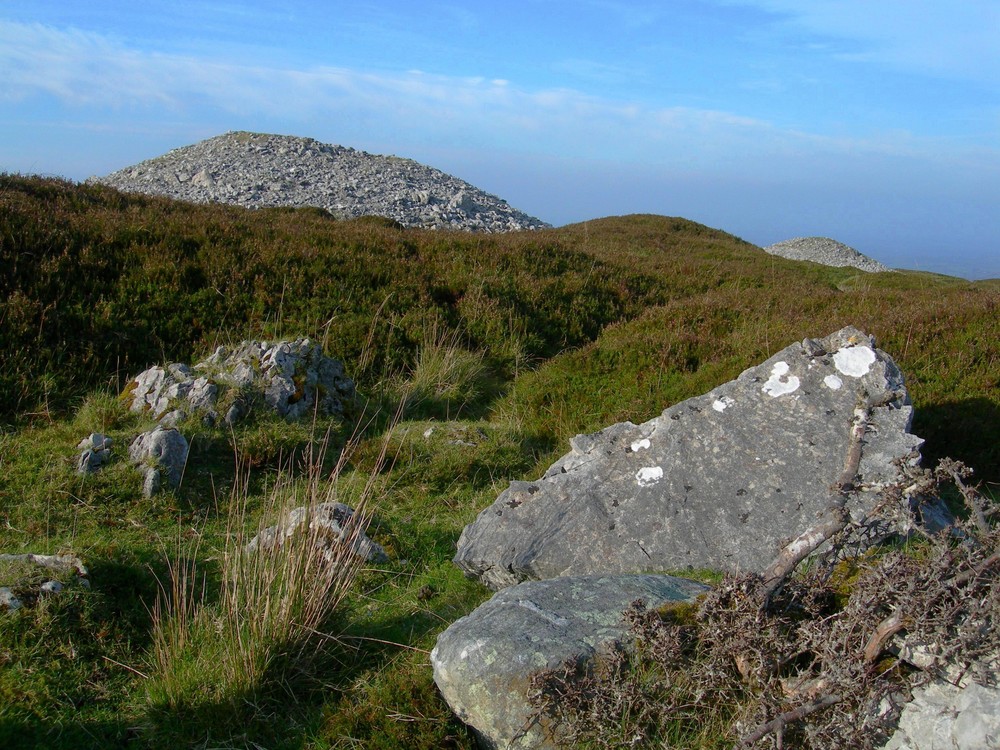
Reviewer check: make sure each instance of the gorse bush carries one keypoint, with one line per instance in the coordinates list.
(755, 664)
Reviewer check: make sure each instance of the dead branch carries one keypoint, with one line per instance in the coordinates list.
(799, 549)
(885, 630)
(778, 723)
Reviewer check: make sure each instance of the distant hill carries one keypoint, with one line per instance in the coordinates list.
(257, 170)
(826, 251)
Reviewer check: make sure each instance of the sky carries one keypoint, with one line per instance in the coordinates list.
(874, 122)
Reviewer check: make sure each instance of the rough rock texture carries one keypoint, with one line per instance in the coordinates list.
(483, 662)
(944, 716)
(334, 522)
(257, 170)
(289, 376)
(96, 451)
(719, 481)
(160, 454)
(826, 251)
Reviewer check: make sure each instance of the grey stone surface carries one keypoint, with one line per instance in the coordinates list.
(257, 170)
(295, 377)
(945, 716)
(96, 451)
(333, 521)
(720, 481)
(483, 662)
(161, 455)
(826, 251)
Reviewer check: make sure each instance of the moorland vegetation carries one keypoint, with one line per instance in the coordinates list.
(476, 357)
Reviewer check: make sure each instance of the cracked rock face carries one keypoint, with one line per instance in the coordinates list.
(257, 170)
(483, 663)
(721, 481)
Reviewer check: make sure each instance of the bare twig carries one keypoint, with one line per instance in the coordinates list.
(885, 630)
(777, 724)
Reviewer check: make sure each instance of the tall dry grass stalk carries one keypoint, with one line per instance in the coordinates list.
(273, 602)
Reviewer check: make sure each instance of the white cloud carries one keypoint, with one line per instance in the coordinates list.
(97, 75)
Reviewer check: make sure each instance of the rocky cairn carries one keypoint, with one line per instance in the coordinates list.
(257, 170)
(825, 251)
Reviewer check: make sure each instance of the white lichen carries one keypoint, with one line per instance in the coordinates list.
(721, 404)
(854, 361)
(640, 445)
(649, 475)
(780, 383)
(833, 382)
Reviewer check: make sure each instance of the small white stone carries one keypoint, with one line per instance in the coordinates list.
(855, 361)
(641, 445)
(51, 587)
(833, 382)
(649, 475)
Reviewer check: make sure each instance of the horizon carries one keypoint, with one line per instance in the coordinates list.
(876, 126)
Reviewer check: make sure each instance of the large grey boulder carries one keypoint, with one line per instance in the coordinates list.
(719, 481)
(483, 663)
(160, 454)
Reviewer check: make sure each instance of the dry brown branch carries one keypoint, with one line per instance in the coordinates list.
(885, 630)
(777, 724)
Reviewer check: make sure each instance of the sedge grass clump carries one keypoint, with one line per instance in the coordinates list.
(445, 378)
(225, 645)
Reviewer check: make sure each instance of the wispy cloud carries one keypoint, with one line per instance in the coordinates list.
(948, 39)
(95, 74)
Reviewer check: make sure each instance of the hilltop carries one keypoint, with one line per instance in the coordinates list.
(256, 170)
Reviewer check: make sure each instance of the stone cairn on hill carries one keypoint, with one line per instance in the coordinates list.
(825, 251)
(731, 480)
(257, 170)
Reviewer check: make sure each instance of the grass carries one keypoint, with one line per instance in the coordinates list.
(500, 348)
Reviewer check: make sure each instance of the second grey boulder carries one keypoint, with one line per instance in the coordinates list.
(483, 663)
(161, 455)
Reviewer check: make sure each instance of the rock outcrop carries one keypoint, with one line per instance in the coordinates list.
(257, 170)
(333, 525)
(946, 716)
(825, 251)
(719, 481)
(160, 455)
(483, 663)
(293, 378)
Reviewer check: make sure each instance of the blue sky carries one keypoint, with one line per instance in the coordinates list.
(875, 122)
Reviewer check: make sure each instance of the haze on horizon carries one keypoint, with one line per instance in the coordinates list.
(877, 124)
